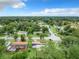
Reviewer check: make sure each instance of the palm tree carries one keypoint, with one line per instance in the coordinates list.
(15, 37)
(23, 38)
(29, 42)
(42, 36)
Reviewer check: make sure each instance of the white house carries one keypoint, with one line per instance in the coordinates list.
(22, 32)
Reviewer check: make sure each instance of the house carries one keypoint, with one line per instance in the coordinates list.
(23, 46)
(17, 46)
(22, 33)
(39, 32)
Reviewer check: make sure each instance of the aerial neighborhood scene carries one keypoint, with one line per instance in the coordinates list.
(39, 29)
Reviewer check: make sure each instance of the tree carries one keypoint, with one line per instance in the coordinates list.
(2, 42)
(67, 30)
(30, 30)
(1, 50)
(70, 40)
(29, 43)
(74, 52)
(50, 51)
(2, 46)
(15, 37)
(75, 33)
(41, 36)
(23, 38)
(19, 55)
(44, 29)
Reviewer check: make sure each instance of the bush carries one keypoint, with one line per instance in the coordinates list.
(19, 55)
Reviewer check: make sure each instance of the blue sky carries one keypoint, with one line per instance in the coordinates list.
(39, 7)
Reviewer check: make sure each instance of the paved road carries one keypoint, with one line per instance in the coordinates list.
(53, 36)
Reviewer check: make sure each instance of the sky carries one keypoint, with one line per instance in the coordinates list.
(39, 7)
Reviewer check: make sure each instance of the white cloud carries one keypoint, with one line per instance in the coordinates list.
(12, 3)
(18, 5)
(58, 12)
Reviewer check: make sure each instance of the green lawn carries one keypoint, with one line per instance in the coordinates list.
(53, 29)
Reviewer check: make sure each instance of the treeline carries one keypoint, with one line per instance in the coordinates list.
(40, 18)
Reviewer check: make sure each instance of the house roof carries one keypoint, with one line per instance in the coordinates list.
(19, 43)
(21, 32)
(25, 43)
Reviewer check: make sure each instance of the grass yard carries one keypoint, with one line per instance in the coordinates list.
(53, 29)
